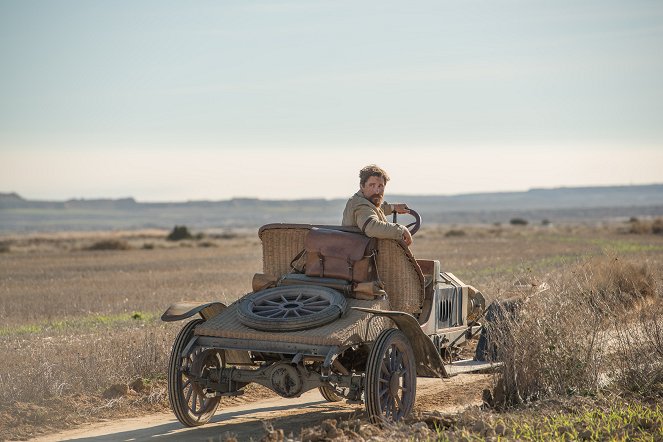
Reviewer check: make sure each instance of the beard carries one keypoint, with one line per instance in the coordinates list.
(376, 199)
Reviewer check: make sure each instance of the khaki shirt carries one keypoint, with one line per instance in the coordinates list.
(362, 213)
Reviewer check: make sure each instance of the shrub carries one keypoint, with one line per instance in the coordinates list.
(657, 226)
(640, 227)
(178, 233)
(518, 222)
(455, 233)
(613, 285)
(110, 244)
(562, 340)
(5, 247)
(646, 227)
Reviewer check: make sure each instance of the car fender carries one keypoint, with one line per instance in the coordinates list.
(429, 362)
(186, 309)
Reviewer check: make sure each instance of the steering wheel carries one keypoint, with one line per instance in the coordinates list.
(414, 226)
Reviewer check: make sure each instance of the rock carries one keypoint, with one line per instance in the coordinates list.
(480, 427)
(116, 390)
(139, 385)
(500, 429)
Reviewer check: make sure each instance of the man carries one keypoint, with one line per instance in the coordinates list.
(368, 211)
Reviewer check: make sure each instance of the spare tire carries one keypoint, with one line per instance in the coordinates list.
(289, 308)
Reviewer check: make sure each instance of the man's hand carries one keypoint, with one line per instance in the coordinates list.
(407, 237)
(400, 208)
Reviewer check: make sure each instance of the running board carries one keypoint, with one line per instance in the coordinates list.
(469, 366)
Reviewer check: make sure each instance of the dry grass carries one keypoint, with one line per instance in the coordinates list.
(66, 327)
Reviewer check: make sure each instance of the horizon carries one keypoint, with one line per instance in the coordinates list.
(387, 195)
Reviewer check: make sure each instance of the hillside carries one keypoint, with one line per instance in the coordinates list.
(557, 205)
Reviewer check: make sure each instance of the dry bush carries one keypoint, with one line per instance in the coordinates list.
(638, 352)
(657, 226)
(110, 244)
(613, 285)
(643, 227)
(88, 363)
(559, 341)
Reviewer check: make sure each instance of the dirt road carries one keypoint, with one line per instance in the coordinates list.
(247, 421)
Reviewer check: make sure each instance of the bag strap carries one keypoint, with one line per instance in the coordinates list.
(294, 260)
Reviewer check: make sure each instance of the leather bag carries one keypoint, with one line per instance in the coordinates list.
(342, 255)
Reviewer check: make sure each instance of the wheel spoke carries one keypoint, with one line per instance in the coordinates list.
(194, 400)
(189, 393)
(201, 400)
(383, 392)
(399, 404)
(384, 369)
(322, 302)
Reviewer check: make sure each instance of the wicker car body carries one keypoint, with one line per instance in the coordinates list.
(373, 352)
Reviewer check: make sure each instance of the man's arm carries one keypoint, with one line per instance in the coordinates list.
(400, 208)
(372, 226)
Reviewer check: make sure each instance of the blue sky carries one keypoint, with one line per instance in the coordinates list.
(165, 100)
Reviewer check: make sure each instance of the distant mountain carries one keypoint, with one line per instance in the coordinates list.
(559, 204)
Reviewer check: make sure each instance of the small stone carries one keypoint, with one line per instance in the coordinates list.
(480, 426)
(139, 385)
(116, 390)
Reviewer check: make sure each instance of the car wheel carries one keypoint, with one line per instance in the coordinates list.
(188, 399)
(391, 377)
(290, 308)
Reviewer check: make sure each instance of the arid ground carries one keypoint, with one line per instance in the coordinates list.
(81, 340)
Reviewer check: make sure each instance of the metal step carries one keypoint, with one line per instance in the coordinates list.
(469, 366)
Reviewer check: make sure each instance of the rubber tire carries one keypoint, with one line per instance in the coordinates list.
(377, 403)
(336, 305)
(176, 394)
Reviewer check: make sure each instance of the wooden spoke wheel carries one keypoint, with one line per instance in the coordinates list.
(191, 404)
(391, 377)
(288, 308)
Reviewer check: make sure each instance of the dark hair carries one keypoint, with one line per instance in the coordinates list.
(372, 170)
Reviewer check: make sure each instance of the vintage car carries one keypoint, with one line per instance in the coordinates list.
(297, 332)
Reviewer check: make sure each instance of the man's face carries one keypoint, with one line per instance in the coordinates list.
(373, 190)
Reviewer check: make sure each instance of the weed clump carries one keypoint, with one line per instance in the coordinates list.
(110, 244)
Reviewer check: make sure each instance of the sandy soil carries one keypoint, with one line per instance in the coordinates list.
(248, 421)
